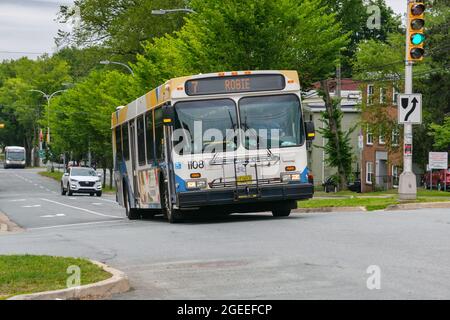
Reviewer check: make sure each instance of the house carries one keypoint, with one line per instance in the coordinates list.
(382, 157)
(313, 105)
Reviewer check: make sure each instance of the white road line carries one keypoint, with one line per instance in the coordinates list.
(75, 225)
(112, 201)
(81, 209)
(18, 200)
(54, 216)
(33, 206)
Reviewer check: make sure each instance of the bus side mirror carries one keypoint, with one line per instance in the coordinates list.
(168, 115)
(310, 130)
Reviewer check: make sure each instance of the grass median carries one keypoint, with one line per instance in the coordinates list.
(372, 200)
(25, 274)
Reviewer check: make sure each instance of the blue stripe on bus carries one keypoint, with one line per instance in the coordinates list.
(181, 184)
(304, 176)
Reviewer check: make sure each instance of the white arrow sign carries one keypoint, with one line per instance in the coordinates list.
(410, 108)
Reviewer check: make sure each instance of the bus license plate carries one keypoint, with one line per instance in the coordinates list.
(244, 179)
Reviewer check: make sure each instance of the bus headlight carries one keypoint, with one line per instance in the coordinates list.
(290, 176)
(196, 184)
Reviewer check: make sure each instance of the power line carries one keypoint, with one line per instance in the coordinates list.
(22, 52)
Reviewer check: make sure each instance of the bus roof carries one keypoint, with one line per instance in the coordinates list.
(13, 148)
(176, 88)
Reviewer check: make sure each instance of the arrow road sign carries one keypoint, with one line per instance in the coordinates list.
(410, 108)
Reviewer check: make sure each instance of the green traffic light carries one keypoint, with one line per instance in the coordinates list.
(417, 38)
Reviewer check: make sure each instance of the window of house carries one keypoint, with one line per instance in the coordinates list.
(395, 137)
(395, 176)
(383, 95)
(369, 172)
(370, 92)
(369, 136)
(381, 138)
(394, 95)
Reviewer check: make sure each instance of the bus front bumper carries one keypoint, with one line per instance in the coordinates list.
(245, 195)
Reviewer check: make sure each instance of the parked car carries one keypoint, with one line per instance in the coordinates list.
(439, 179)
(81, 180)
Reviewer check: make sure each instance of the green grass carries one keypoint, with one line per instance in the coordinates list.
(54, 175)
(393, 192)
(369, 203)
(24, 274)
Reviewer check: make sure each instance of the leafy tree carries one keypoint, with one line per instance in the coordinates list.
(81, 120)
(232, 35)
(338, 147)
(120, 26)
(441, 134)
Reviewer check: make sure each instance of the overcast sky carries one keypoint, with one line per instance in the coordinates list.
(28, 27)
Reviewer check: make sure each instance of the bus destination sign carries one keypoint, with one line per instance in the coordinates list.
(235, 84)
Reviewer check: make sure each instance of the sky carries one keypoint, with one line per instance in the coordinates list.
(28, 27)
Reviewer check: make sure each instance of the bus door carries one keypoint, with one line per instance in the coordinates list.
(133, 158)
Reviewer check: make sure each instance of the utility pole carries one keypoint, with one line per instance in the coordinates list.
(408, 184)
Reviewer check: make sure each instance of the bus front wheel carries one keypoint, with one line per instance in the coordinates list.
(130, 212)
(173, 215)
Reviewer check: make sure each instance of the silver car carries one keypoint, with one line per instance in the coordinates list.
(81, 180)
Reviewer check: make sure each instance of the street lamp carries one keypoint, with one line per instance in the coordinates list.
(107, 62)
(48, 97)
(167, 11)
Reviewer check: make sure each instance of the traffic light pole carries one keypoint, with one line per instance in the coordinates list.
(408, 185)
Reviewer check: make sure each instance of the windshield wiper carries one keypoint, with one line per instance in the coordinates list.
(246, 127)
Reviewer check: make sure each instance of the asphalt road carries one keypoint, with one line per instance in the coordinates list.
(254, 256)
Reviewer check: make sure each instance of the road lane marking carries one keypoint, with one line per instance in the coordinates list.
(82, 209)
(32, 206)
(77, 224)
(18, 200)
(112, 201)
(54, 215)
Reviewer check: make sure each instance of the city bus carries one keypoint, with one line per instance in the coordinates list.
(228, 142)
(15, 157)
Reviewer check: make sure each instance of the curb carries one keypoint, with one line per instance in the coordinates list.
(330, 209)
(7, 226)
(423, 205)
(118, 283)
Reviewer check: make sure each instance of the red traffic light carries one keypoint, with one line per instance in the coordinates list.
(417, 9)
(417, 53)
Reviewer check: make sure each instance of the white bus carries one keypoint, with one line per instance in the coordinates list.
(15, 157)
(228, 142)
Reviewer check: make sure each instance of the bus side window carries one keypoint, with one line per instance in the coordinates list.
(125, 141)
(150, 136)
(118, 138)
(159, 133)
(141, 140)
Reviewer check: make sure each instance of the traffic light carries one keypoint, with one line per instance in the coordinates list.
(416, 37)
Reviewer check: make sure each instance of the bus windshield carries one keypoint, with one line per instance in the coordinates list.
(216, 117)
(16, 155)
(275, 119)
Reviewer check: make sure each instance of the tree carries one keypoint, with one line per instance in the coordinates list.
(441, 134)
(119, 26)
(26, 109)
(337, 148)
(235, 35)
(356, 19)
(81, 120)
